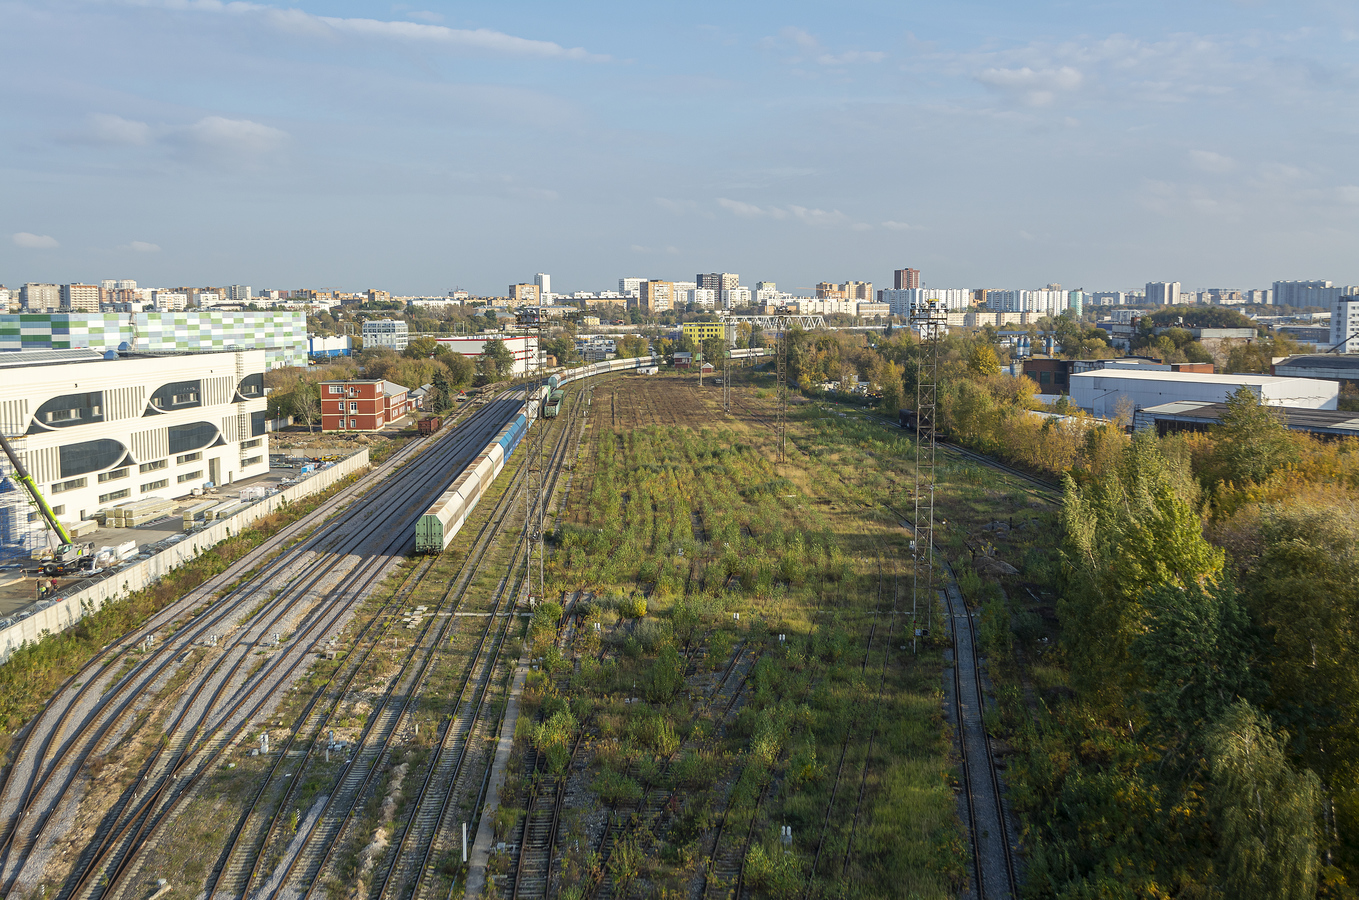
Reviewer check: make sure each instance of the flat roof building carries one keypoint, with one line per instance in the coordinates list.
(1104, 391)
(369, 404)
(393, 333)
(1199, 415)
(522, 347)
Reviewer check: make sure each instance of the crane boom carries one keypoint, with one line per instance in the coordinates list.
(21, 475)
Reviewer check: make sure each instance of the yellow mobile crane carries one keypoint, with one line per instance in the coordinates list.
(69, 556)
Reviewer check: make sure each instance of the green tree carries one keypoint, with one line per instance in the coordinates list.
(424, 348)
(1264, 811)
(1252, 441)
(1125, 536)
(1197, 653)
(495, 363)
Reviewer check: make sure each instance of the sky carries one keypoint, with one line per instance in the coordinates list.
(421, 147)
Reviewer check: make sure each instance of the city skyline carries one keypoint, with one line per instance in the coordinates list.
(419, 149)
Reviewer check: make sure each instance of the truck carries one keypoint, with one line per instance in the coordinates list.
(69, 556)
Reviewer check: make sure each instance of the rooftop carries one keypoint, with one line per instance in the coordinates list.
(1132, 373)
(1321, 361)
(1323, 420)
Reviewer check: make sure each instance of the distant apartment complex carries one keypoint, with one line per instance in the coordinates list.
(850, 290)
(1163, 293)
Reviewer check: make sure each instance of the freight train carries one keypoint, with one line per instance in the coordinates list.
(436, 528)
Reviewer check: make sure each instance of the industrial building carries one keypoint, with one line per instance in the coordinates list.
(326, 347)
(368, 404)
(1197, 415)
(1343, 368)
(281, 334)
(99, 429)
(524, 348)
(1102, 391)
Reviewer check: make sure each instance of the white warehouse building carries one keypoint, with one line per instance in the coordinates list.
(1101, 391)
(99, 429)
(524, 348)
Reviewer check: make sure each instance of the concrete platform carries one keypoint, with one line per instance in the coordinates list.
(17, 591)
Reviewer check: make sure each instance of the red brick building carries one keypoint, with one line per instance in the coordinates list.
(366, 405)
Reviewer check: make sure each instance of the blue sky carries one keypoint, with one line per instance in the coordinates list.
(418, 147)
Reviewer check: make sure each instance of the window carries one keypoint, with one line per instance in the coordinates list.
(353, 407)
(114, 475)
(63, 486)
(257, 420)
(337, 389)
(252, 385)
(70, 409)
(184, 438)
(177, 395)
(187, 457)
(58, 510)
(90, 456)
(115, 495)
(155, 485)
(153, 466)
(1044, 377)
(250, 445)
(252, 461)
(351, 423)
(190, 476)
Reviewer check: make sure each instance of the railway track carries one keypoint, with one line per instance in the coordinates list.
(428, 831)
(221, 698)
(989, 832)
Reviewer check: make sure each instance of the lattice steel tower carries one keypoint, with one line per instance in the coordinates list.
(781, 422)
(930, 319)
(535, 480)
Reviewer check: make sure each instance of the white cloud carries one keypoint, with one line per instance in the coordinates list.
(861, 226)
(1214, 163)
(802, 214)
(812, 51)
(110, 129)
(34, 241)
(227, 140)
(899, 226)
(1033, 87)
(300, 22)
(143, 247)
(744, 210)
(1348, 193)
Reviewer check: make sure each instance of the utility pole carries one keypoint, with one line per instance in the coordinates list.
(781, 389)
(931, 320)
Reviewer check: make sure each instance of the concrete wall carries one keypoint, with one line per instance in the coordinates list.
(88, 597)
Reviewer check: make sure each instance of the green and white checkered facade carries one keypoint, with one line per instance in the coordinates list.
(282, 334)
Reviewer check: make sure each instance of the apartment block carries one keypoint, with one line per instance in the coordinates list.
(905, 279)
(80, 298)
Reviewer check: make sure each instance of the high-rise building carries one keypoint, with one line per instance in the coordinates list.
(79, 298)
(850, 290)
(735, 297)
(630, 287)
(1309, 293)
(1345, 325)
(1075, 301)
(1163, 293)
(39, 297)
(544, 283)
(718, 281)
(240, 293)
(905, 279)
(656, 296)
(524, 295)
